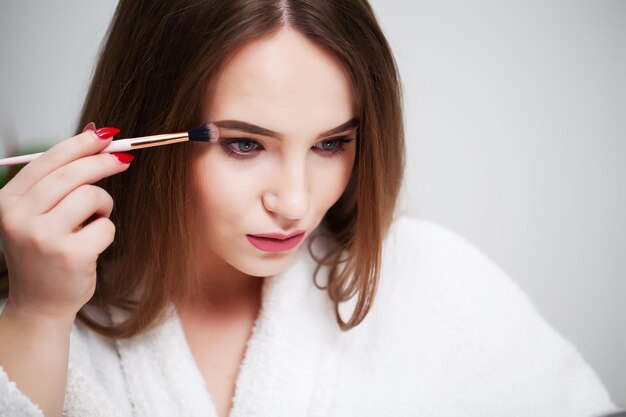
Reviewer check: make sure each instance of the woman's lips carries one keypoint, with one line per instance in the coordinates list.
(275, 242)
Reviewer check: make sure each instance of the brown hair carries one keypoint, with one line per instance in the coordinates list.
(155, 56)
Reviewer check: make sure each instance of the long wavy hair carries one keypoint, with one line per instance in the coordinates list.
(155, 56)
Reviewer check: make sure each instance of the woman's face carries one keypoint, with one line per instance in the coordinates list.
(286, 113)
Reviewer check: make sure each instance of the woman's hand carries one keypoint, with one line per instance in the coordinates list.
(50, 252)
(51, 249)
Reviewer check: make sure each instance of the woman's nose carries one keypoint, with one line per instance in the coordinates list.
(289, 195)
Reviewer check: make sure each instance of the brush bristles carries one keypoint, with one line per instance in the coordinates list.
(205, 133)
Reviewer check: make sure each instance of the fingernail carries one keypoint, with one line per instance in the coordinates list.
(89, 126)
(124, 157)
(107, 132)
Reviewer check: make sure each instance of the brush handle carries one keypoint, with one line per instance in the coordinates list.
(16, 160)
(121, 145)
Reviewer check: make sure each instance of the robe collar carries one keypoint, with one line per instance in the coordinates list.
(289, 368)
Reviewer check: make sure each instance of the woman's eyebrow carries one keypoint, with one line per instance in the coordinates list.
(350, 124)
(258, 130)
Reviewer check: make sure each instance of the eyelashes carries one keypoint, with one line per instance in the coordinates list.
(244, 148)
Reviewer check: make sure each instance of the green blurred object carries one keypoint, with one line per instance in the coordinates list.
(6, 173)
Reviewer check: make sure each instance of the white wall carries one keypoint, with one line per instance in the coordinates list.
(516, 128)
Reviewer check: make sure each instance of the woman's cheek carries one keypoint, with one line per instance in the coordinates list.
(230, 188)
(331, 180)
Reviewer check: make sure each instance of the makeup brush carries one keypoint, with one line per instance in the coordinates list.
(205, 133)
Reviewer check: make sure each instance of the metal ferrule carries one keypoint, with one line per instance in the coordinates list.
(159, 140)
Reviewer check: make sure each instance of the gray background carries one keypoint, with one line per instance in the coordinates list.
(516, 130)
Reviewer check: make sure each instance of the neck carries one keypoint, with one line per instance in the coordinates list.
(224, 289)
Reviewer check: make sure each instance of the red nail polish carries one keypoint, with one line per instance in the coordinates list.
(124, 157)
(107, 132)
(89, 126)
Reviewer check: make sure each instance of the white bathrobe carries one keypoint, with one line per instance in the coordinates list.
(449, 335)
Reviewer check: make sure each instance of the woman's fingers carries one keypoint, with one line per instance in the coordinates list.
(77, 207)
(94, 238)
(49, 191)
(87, 143)
(51, 259)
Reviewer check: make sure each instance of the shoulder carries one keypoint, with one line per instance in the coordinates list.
(429, 242)
(431, 256)
(443, 272)
(444, 306)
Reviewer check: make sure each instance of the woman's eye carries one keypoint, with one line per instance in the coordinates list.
(245, 146)
(329, 145)
(332, 147)
(240, 148)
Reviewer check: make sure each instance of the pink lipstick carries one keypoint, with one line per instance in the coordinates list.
(276, 242)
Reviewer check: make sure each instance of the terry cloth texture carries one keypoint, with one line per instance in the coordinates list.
(450, 334)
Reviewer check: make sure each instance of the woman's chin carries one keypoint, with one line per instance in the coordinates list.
(265, 266)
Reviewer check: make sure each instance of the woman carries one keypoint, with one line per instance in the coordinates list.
(193, 309)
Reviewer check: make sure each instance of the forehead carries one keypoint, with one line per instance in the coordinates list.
(283, 82)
